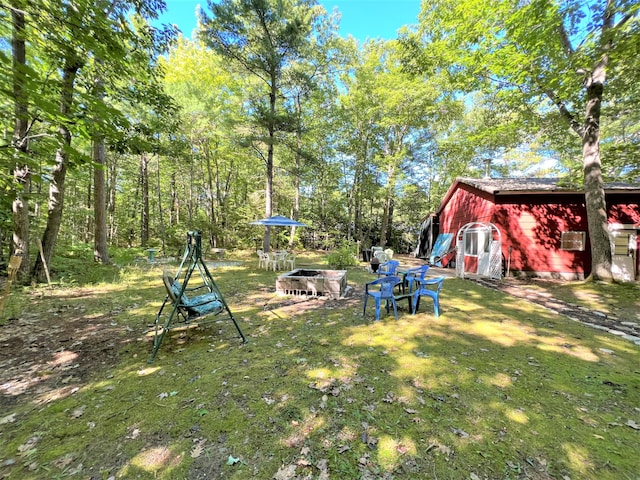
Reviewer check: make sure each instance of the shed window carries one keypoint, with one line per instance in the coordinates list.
(573, 241)
(476, 242)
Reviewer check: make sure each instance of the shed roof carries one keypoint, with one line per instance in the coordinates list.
(530, 186)
(498, 186)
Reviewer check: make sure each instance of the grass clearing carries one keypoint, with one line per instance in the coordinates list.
(495, 387)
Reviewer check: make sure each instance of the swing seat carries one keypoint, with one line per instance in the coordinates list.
(196, 306)
(185, 303)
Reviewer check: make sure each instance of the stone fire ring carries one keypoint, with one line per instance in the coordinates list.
(313, 282)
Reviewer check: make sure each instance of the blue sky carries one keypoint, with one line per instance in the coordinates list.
(361, 18)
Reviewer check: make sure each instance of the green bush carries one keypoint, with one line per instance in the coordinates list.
(343, 257)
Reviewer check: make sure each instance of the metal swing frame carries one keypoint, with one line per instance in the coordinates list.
(191, 261)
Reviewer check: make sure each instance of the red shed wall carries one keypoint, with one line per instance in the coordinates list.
(465, 205)
(531, 224)
(624, 208)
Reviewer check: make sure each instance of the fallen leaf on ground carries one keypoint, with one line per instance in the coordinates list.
(286, 472)
(198, 449)
(78, 412)
(8, 419)
(324, 470)
(632, 424)
(461, 433)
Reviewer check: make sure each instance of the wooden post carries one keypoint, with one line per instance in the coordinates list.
(44, 262)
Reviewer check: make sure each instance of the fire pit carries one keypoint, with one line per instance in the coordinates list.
(303, 281)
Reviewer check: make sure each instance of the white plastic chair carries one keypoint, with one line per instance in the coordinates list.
(380, 255)
(289, 261)
(273, 261)
(263, 259)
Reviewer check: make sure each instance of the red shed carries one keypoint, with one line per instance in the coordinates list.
(543, 223)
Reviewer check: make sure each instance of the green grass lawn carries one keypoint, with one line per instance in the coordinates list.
(495, 388)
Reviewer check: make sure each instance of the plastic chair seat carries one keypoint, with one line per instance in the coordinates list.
(414, 276)
(388, 268)
(429, 287)
(381, 289)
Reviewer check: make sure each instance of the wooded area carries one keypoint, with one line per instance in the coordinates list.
(118, 132)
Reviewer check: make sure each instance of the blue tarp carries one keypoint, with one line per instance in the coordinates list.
(440, 248)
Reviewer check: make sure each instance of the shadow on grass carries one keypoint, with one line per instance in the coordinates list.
(495, 387)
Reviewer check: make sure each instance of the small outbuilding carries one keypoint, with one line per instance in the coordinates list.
(542, 223)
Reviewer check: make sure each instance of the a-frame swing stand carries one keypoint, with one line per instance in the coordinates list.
(180, 307)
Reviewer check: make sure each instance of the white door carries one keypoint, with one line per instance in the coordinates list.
(623, 244)
(484, 254)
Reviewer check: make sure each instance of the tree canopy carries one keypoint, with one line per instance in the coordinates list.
(268, 110)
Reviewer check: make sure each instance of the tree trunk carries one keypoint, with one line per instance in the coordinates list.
(88, 218)
(266, 243)
(144, 213)
(296, 179)
(100, 250)
(161, 213)
(213, 240)
(57, 186)
(593, 183)
(388, 205)
(111, 202)
(174, 216)
(601, 255)
(22, 174)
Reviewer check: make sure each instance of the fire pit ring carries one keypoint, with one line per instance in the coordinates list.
(313, 282)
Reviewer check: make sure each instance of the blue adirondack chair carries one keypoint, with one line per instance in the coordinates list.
(429, 287)
(381, 289)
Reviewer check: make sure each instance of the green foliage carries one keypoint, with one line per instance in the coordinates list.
(477, 393)
(530, 61)
(343, 257)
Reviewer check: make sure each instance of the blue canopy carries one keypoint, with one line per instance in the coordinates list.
(278, 221)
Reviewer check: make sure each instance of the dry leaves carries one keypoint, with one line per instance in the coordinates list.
(78, 412)
(198, 448)
(8, 419)
(285, 472)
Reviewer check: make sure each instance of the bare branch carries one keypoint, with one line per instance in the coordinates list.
(565, 41)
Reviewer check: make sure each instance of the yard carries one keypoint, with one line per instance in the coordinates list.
(496, 387)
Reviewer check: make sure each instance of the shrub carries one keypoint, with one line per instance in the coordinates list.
(343, 257)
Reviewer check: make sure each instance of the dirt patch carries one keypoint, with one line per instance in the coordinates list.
(47, 356)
